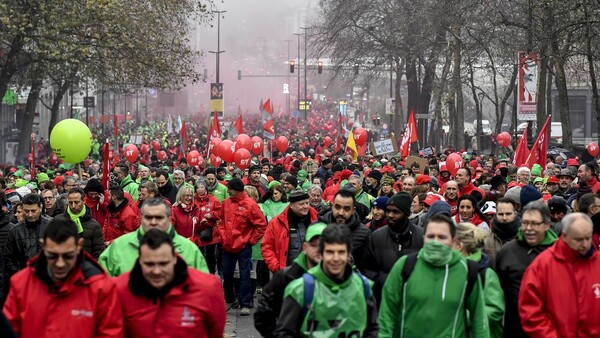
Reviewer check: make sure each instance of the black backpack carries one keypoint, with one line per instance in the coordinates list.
(411, 261)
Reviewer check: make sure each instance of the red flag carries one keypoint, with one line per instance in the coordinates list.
(267, 119)
(268, 107)
(239, 123)
(106, 166)
(410, 135)
(539, 147)
(522, 152)
(213, 132)
(184, 145)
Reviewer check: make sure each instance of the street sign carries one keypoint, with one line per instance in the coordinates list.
(286, 88)
(305, 105)
(89, 101)
(343, 104)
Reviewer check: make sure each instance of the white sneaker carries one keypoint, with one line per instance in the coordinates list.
(245, 311)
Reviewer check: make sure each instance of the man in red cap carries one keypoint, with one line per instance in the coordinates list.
(424, 180)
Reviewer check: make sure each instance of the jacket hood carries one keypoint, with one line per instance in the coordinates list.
(563, 252)
(301, 261)
(482, 259)
(139, 286)
(114, 209)
(84, 271)
(548, 240)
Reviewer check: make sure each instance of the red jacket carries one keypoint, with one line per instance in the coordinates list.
(243, 223)
(194, 308)
(85, 305)
(186, 221)
(99, 211)
(560, 294)
(274, 247)
(467, 190)
(594, 184)
(209, 204)
(120, 220)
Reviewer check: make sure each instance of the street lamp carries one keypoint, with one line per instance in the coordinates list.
(480, 96)
(219, 51)
(298, 35)
(305, 71)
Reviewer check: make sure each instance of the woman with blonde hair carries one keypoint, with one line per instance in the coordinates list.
(470, 241)
(185, 214)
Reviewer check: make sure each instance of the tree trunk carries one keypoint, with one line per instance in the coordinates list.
(60, 93)
(27, 125)
(509, 90)
(412, 84)
(479, 114)
(541, 113)
(399, 112)
(563, 96)
(438, 92)
(459, 116)
(592, 70)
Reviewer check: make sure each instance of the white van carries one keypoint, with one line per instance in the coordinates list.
(555, 131)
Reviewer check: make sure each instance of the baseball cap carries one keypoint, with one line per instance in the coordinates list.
(489, 208)
(314, 230)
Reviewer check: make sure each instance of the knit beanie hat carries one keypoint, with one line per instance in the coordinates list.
(514, 194)
(381, 202)
(557, 203)
(292, 180)
(302, 174)
(376, 174)
(93, 185)
(253, 168)
(529, 194)
(236, 184)
(297, 195)
(401, 201)
(536, 170)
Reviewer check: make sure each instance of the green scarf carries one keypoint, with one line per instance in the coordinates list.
(75, 218)
(436, 253)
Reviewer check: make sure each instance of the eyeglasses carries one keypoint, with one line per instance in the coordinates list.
(527, 224)
(65, 257)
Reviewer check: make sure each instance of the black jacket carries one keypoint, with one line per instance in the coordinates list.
(168, 191)
(511, 262)
(271, 299)
(385, 248)
(93, 241)
(5, 227)
(360, 236)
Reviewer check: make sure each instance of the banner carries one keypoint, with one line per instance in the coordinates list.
(390, 106)
(213, 132)
(216, 98)
(527, 82)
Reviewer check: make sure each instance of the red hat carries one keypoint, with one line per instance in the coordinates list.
(346, 173)
(553, 179)
(444, 168)
(279, 161)
(58, 180)
(431, 198)
(572, 161)
(512, 184)
(423, 179)
(474, 163)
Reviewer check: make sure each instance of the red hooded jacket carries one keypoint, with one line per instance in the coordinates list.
(209, 204)
(186, 221)
(193, 308)
(120, 220)
(243, 223)
(99, 211)
(560, 294)
(274, 247)
(86, 304)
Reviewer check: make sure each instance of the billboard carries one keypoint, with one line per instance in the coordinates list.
(527, 82)
(216, 98)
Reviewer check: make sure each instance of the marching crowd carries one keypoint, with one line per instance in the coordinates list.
(375, 247)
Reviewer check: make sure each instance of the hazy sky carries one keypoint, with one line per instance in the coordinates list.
(253, 34)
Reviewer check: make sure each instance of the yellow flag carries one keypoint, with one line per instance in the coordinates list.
(352, 145)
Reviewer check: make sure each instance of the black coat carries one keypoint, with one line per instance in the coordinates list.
(23, 242)
(271, 299)
(168, 191)
(385, 248)
(511, 262)
(93, 240)
(360, 236)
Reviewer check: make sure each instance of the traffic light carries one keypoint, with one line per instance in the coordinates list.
(320, 67)
(356, 69)
(239, 74)
(292, 64)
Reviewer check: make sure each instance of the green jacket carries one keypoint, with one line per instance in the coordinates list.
(365, 199)
(121, 255)
(494, 299)
(341, 303)
(430, 303)
(271, 210)
(130, 187)
(219, 191)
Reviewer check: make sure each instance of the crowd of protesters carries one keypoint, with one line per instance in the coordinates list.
(311, 241)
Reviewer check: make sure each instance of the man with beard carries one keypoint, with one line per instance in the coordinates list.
(565, 185)
(214, 187)
(254, 180)
(269, 302)
(505, 225)
(586, 173)
(343, 211)
(23, 240)
(88, 228)
(451, 196)
(165, 187)
(387, 244)
(534, 236)
(292, 224)
(178, 179)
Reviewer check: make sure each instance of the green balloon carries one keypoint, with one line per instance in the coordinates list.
(71, 140)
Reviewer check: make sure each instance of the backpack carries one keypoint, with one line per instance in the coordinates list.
(473, 271)
(309, 289)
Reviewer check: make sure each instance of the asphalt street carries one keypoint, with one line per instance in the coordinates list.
(240, 326)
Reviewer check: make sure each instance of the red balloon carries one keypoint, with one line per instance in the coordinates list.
(215, 160)
(360, 136)
(242, 158)
(131, 152)
(503, 139)
(162, 155)
(257, 145)
(155, 145)
(454, 162)
(145, 149)
(592, 149)
(225, 150)
(282, 143)
(327, 141)
(193, 157)
(243, 141)
(200, 161)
